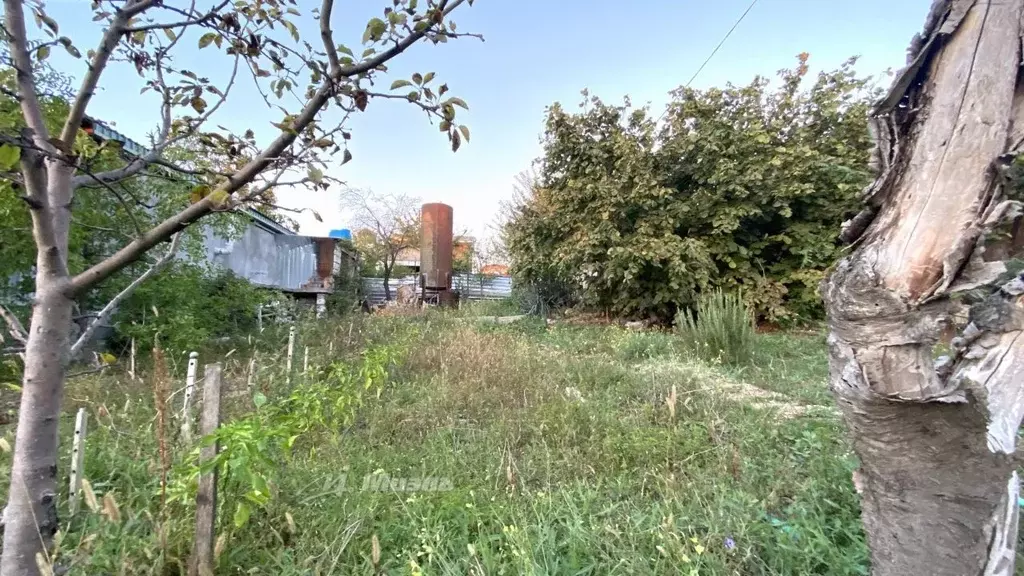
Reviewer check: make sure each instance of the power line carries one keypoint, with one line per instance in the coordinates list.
(727, 34)
(715, 51)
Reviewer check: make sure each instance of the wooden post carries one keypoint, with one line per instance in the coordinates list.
(305, 361)
(190, 390)
(252, 373)
(321, 305)
(291, 352)
(77, 459)
(201, 562)
(259, 317)
(131, 361)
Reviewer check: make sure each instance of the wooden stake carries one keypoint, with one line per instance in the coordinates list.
(190, 390)
(77, 459)
(305, 360)
(201, 562)
(252, 373)
(259, 317)
(131, 361)
(291, 352)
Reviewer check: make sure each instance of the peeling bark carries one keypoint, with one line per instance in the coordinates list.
(936, 438)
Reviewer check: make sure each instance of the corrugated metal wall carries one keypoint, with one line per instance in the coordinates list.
(273, 260)
(470, 287)
(480, 287)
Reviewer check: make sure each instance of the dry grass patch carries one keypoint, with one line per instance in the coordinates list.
(482, 374)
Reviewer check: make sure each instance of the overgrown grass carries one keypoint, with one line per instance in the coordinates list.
(794, 364)
(562, 450)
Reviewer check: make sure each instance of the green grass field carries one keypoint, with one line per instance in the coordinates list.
(544, 450)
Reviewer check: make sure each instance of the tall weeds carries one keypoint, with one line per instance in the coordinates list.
(160, 393)
(721, 328)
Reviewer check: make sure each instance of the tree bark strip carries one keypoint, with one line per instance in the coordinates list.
(936, 438)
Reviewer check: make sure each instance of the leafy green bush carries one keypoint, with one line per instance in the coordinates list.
(347, 295)
(738, 187)
(722, 329)
(188, 306)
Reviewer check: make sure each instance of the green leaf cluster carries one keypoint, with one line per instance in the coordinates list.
(252, 448)
(188, 306)
(742, 187)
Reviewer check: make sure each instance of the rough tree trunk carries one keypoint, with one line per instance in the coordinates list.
(936, 437)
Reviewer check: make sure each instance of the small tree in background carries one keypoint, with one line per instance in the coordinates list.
(386, 225)
(529, 244)
(464, 250)
(312, 91)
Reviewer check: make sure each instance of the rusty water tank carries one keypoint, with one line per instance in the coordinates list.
(436, 247)
(325, 257)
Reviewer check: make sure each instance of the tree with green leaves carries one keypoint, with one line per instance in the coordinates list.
(50, 166)
(105, 216)
(740, 188)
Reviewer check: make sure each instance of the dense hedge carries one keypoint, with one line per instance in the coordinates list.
(739, 187)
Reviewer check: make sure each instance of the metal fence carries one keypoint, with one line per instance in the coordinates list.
(469, 286)
(481, 287)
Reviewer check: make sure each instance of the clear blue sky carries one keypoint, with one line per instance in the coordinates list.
(536, 52)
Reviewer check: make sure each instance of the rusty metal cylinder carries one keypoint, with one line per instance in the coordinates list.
(436, 247)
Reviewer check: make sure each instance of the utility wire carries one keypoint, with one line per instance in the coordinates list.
(715, 51)
(727, 34)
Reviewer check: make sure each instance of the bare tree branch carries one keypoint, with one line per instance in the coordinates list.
(328, 36)
(98, 64)
(120, 198)
(172, 166)
(188, 22)
(163, 140)
(111, 306)
(14, 16)
(14, 327)
(101, 229)
(255, 194)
